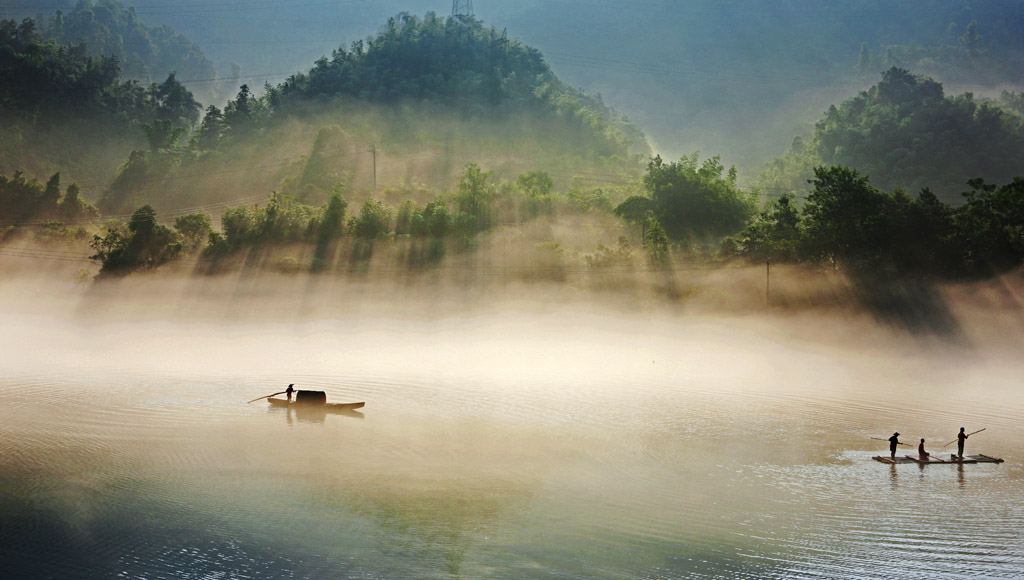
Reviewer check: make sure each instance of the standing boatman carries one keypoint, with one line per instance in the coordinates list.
(961, 437)
(289, 392)
(893, 442)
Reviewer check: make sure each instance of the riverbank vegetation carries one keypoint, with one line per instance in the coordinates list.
(440, 147)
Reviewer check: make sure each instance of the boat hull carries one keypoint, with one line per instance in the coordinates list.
(328, 407)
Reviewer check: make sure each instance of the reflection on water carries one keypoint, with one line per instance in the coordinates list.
(312, 413)
(440, 520)
(497, 447)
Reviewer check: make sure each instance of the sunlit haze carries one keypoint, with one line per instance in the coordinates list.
(716, 289)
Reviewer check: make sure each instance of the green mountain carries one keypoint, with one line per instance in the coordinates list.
(144, 53)
(64, 110)
(427, 95)
(904, 132)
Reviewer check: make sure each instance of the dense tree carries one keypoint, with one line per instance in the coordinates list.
(243, 114)
(1012, 101)
(52, 81)
(72, 209)
(109, 29)
(473, 197)
(434, 221)
(636, 209)
(458, 63)
(139, 244)
(282, 220)
(330, 228)
(61, 107)
(23, 200)
(775, 234)
(990, 227)
(536, 187)
(162, 134)
(47, 202)
(174, 103)
(194, 229)
(847, 223)
(583, 198)
(695, 199)
(120, 195)
(403, 221)
(656, 243)
(845, 217)
(971, 39)
(904, 132)
(373, 221)
(208, 136)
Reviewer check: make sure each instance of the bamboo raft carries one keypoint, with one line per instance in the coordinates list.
(931, 459)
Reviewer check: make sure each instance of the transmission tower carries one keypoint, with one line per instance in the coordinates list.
(462, 7)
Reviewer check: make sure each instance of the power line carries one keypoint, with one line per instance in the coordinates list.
(577, 269)
(193, 175)
(177, 9)
(167, 214)
(579, 61)
(41, 254)
(593, 176)
(651, 68)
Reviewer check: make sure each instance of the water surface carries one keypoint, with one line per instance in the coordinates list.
(506, 443)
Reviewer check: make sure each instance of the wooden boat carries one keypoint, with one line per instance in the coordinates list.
(329, 407)
(936, 459)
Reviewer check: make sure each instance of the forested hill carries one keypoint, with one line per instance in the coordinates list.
(453, 60)
(63, 110)
(425, 95)
(741, 77)
(144, 53)
(695, 74)
(459, 63)
(905, 132)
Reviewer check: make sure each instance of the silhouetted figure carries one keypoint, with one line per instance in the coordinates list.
(961, 437)
(893, 442)
(289, 392)
(920, 451)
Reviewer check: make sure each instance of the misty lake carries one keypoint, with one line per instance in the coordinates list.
(516, 441)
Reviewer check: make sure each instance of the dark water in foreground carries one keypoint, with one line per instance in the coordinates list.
(497, 446)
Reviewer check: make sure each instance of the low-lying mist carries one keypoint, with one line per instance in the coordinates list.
(799, 304)
(499, 414)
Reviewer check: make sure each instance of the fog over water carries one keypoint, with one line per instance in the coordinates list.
(526, 433)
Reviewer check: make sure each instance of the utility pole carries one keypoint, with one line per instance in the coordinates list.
(462, 8)
(373, 149)
(768, 282)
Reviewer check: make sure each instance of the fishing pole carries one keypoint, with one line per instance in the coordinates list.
(904, 444)
(957, 439)
(266, 397)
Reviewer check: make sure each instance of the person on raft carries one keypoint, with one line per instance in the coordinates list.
(961, 437)
(289, 392)
(893, 442)
(920, 450)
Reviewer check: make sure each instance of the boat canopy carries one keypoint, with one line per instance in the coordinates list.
(311, 397)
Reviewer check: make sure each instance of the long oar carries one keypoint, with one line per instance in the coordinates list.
(267, 397)
(880, 439)
(957, 439)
